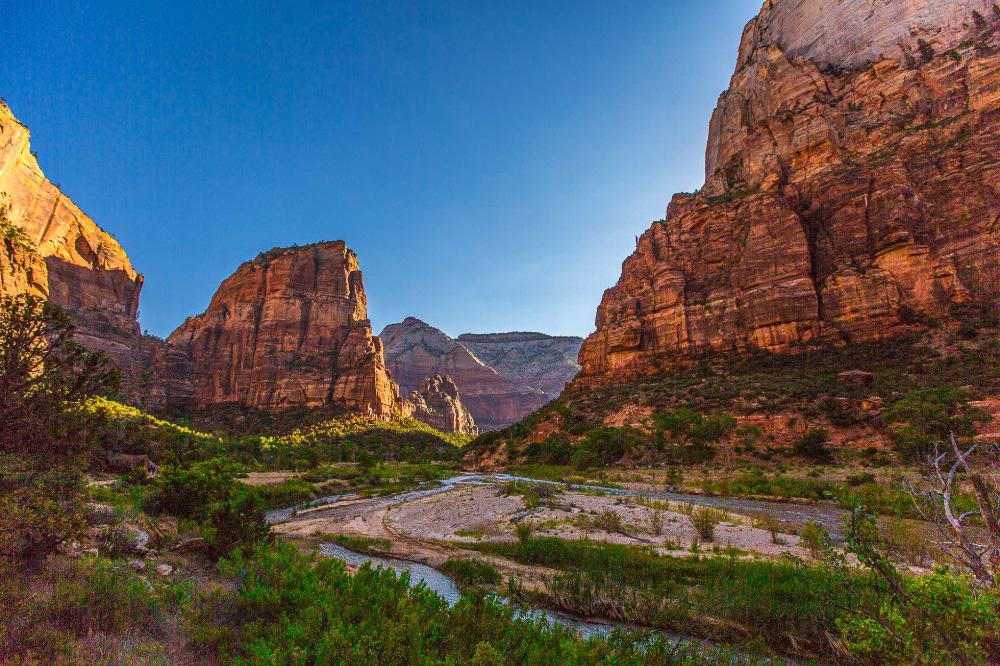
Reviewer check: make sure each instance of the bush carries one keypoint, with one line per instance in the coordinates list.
(188, 492)
(608, 521)
(97, 594)
(236, 522)
(46, 438)
(704, 520)
(946, 621)
(925, 417)
(607, 446)
(813, 445)
(815, 539)
(472, 573)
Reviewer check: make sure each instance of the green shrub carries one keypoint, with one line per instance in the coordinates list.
(46, 438)
(287, 608)
(235, 522)
(945, 621)
(188, 492)
(813, 445)
(97, 594)
(928, 416)
(472, 573)
(704, 520)
(815, 539)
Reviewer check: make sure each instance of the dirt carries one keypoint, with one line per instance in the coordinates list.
(431, 528)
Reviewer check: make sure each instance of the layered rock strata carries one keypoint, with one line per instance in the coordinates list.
(51, 248)
(544, 361)
(415, 350)
(288, 329)
(438, 404)
(852, 191)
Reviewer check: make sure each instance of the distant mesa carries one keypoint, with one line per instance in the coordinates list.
(501, 377)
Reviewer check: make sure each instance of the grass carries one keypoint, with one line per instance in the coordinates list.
(360, 544)
(472, 573)
(791, 607)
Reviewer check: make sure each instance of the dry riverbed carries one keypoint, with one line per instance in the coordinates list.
(427, 527)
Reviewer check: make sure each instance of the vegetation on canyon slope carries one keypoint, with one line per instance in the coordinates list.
(763, 408)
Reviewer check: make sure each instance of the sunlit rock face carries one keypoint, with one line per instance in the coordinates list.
(61, 254)
(852, 191)
(288, 329)
(501, 377)
(437, 403)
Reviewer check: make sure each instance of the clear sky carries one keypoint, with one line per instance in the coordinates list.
(491, 163)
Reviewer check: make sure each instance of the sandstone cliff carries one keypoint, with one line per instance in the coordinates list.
(416, 350)
(852, 191)
(51, 248)
(288, 329)
(438, 404)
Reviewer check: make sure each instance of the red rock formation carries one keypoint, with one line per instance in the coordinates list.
(853, 188)
(438, 404)
(51, 248)
(415, 350)
(288, 329)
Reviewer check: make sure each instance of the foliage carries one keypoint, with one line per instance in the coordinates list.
(606, 446)
(927, 416)
(704, 520)
(188, 492)
(472, 573)
(815, 539)
(360, 544)
(288, 608)
(45, 439)
(813, 445)
(789, 605)
(937, 619)
(235, 522)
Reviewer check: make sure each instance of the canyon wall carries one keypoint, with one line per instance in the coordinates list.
(544, 361)
(50, 248)
(437, 403)
(852, 192)
(288, 329)
(495, 396)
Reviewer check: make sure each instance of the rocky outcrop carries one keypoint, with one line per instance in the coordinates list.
(288, 329)
(50, 248)
(543, 361)
(437, 403)
(415, 350)
(852, 191)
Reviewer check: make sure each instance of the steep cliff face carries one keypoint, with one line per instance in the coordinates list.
(288, 329)
(544, 361)
(51, 248)
(852, 191)
(416, 350)
(438, 404)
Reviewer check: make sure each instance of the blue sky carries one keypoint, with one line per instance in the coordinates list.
(491, 163)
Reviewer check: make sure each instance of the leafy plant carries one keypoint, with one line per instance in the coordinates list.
(704, 520)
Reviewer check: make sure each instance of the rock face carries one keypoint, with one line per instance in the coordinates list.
(288, 329)
(50, 248)
(438, 404)
(544, 361)
(528, 365)
(852, 191)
